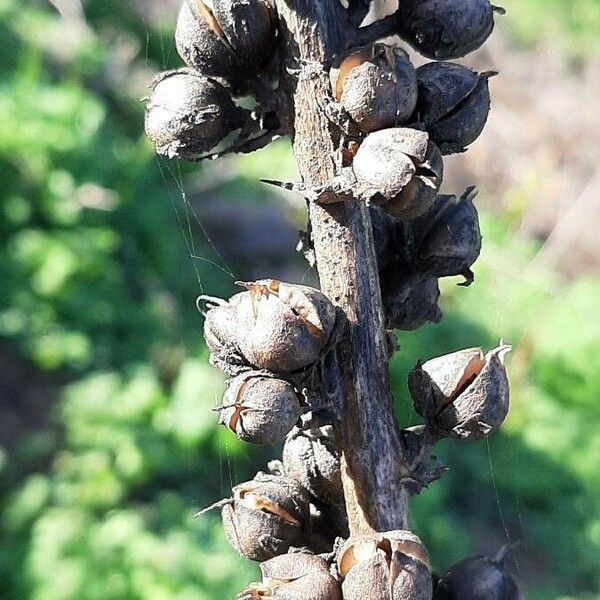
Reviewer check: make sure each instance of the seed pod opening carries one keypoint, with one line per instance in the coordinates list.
(445, 29)
(188, 115)
(392, 566)
(464, 395)
(266, 517)
(260, 409)
(376, 85)
(226, 38)
(283, 327)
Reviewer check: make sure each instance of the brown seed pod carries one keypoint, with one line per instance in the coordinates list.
(220, 325)
(446, 29)
(376, 85)
(260, 409)
(310, 456)
(387, 566)
(464, 395)
(283, 327)
(188, 114)
(266, 516)
(226, 38)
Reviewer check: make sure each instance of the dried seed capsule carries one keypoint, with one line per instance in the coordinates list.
(377, 86)
(283, 327)
(445, 29)
(259, 408)
(225, 38)
(478, 578)
(387, 566)
(310, 456)
(220, 325)
(188, 114)
(463, 395)
(266, 517)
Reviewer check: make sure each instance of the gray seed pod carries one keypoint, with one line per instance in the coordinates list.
(220, 326)
(445, 29)
(478, 578)
(260, 409)
(388, 566)
(283, 327)
(266, 517)
(225, 38)
(411, 302)
(310, 456)
(463, 395)
(377, 86)
(187, 114)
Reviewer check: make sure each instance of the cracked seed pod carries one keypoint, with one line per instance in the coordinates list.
(453, 105)
(453, 242)
(446, 29)
(226, 38)
(463, 395)
(409, 303)
(188, 115)
(386, 566)
(259, 408)
(283, 327)
(266, 517)
(478, 578)
(377, 86)
(310, 456)
(420, 193)
(220, 325)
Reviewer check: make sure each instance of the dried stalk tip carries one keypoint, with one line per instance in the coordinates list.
(266, 517)
(233, 39)
(464, 395)
(377, 86)
(283, 327)
(187, 115)
(387, 566)
(445, 29)
(260, 409)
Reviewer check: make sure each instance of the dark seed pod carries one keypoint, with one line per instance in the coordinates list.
(260, 409)
(283, 327)
(310, 456)
(463, 395)
(377, 86)
(226, 38)
(188, 114)
(266, 517)
(445, 29)
(387, 566)
(478, 578)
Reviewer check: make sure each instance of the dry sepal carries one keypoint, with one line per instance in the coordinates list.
(188, 114)
(260, 408)
(386, 566)
(399, 166)
(453, 105)
(295, 576)
(377, 86)
(232, 39)
(266, 516)
(463, 395)
(446, 29)
(283, 327)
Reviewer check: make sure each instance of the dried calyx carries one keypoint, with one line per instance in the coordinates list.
(294, 576)
(387, 566)
(260, 408)
(446, 29)
(463, 395)
(453, 105)
(266, 516)
(399, 166)
(188, 115)
(377, 86)
(226, 38)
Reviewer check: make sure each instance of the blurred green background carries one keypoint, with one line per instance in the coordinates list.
(108, 441)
